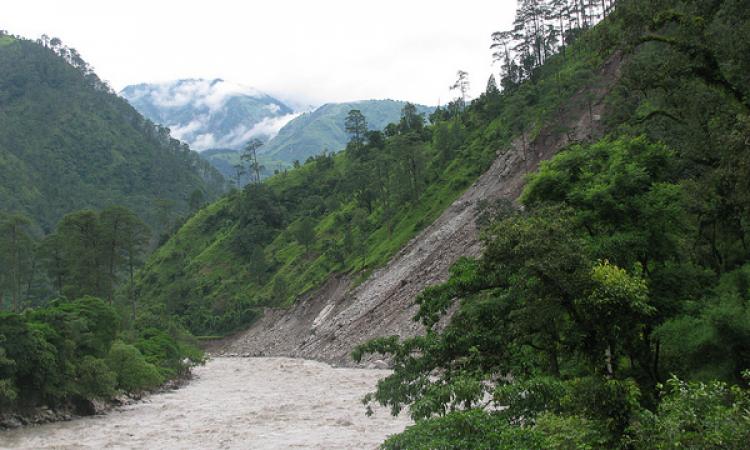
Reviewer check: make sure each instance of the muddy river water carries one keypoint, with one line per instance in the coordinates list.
(235, 403)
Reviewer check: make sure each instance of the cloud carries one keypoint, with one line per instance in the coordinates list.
(268, 128)
(185, 132)
(196, 109)
(273, 108)
(204, 142)
(199, 94)
(221, 90)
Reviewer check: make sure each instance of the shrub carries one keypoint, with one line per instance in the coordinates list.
(472, 429)
(134, 373)
(695, 416)
(95, 379)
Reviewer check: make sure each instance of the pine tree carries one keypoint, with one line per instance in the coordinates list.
(462, 86)
(250, 154)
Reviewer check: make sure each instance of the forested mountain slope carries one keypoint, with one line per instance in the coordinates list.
(351, 212)
(67, 142)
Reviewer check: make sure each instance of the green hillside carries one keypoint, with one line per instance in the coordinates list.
(611, 311)
(348, 212)
(323, 129)
(67, 142)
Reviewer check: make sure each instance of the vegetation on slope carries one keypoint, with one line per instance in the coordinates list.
(67, 142)
(346, 213)
(613, 311)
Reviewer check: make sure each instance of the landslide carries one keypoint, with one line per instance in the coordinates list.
(328, 323)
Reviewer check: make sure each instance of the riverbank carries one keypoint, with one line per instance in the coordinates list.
(39, 415)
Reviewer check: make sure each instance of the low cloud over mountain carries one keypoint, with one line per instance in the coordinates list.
(210, 113)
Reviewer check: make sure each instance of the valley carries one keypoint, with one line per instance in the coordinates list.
(555, 258)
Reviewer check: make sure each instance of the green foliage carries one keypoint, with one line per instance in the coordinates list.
(134, 373)
(570, 432)
(463, 430)
(95, 379)
(73, 349)
(622, 191)
(628, 263)
(712, 339)
(695, 416)
(16, 255)
(89, 253)
(476, 429)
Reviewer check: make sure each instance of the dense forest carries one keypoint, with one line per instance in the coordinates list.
(67, 142)
(63, 339)
(612, 310)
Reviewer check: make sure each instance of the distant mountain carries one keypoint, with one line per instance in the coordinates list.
(210, 113)
(67, 142)
(323, 129)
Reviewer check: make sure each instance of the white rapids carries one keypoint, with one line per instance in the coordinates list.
(235, 403)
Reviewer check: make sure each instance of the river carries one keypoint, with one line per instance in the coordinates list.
(235, 403)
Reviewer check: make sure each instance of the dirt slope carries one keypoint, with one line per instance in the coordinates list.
(328, 324)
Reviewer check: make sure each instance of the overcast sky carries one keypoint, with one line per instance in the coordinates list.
(311, 51)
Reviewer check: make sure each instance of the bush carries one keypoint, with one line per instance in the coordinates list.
(695, 416)
(8, 393)
(472, 429)
(95, 379)
(570, 432)
(134, 373)
(160, 350)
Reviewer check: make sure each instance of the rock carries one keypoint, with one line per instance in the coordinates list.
(11, 422)
(378, 364)
(344, 423)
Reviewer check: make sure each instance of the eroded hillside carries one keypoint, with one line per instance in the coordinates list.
(329, 323)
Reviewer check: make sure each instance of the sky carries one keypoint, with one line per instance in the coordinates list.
(306, 52)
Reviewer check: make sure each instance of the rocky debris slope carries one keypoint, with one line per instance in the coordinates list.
(329, 323)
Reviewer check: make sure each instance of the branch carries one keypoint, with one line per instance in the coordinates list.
(660, 112)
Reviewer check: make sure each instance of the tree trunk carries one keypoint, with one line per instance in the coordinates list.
(608, 360)
(132, 287)
(554, 365)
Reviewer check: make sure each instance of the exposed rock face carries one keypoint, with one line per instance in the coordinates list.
(328, 324)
